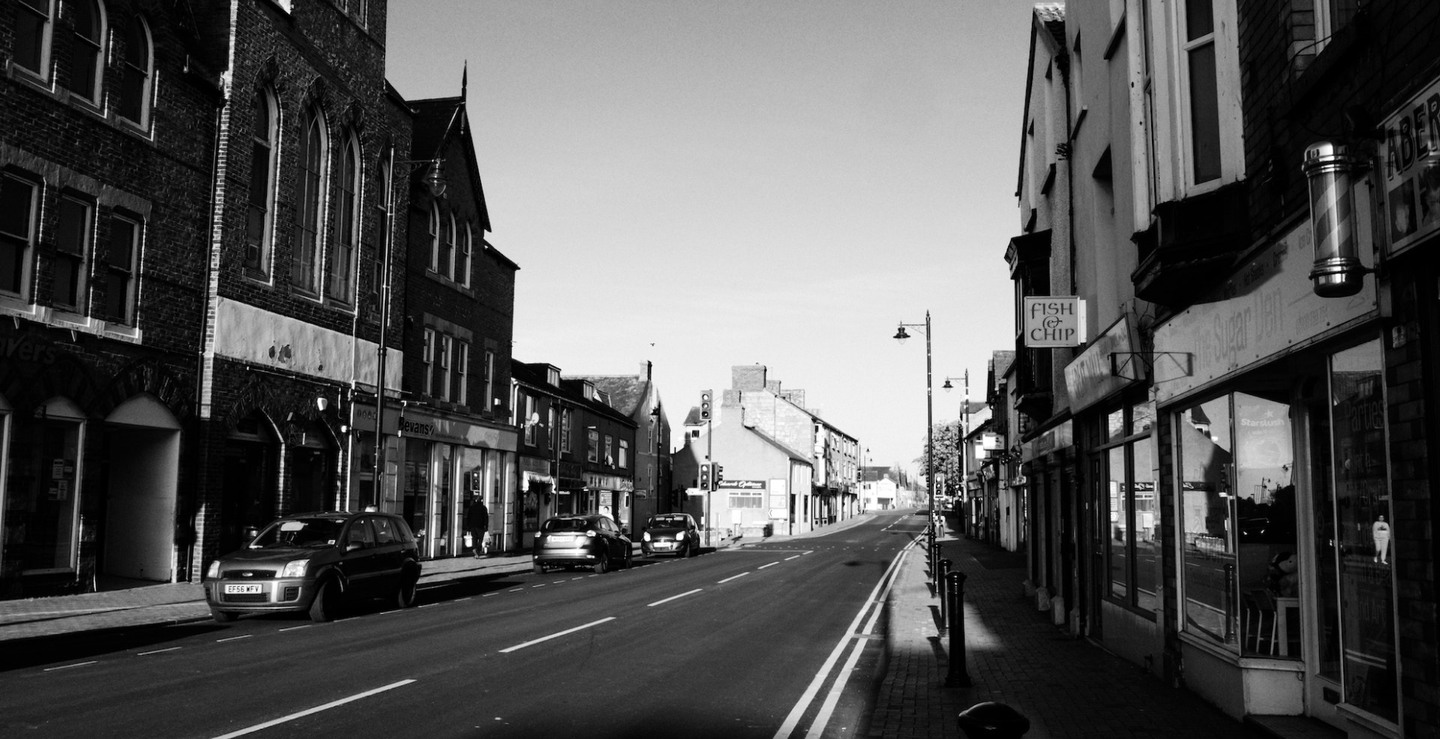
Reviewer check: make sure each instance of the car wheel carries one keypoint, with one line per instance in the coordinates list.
(602, 564)
(326, 603)
(222, 617)
(629, 558)
(405, 594)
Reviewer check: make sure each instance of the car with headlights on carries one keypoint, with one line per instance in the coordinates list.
(670, 533)
(317, 563)
(592, 541)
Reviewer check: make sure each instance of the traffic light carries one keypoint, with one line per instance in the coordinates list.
(719, 474)
(704, 476)
(705, 397)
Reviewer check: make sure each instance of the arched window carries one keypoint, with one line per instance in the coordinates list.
(447, 247)
(260, 221)
(347, 220)
(34, 24)
(136, 73)
(381, 240)
(434, 238)
(467, 249)
(305, 261)
(87, 34)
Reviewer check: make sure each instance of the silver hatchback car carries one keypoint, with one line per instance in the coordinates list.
(581, 541)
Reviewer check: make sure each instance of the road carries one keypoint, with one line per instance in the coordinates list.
(743, 642)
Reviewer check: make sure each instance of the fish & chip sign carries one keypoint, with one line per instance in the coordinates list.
(1054, 321)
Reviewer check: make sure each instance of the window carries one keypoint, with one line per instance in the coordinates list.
(19, 204)
(427, 360)
(434, 232)
(592, 439)
(442, 377)
(259, 225)
(304, 262)
(747, 498)
(1237, 518)
(381, 240)
(529, 421)
(87, 31)
(489, 380)
(121, 259)
(1132, 512)
(624, 454)
(73, 234)
(609, 450)
(462, 372)
(32, 35)
(565, 431)
(135, 74)
(1200, 60)
(347, 245)
(466, 250)
(446, 265)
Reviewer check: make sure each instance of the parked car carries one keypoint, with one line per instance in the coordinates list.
(316, 563)
(581, 541)
(670, 533)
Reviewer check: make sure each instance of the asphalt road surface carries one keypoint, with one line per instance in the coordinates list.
(774, 640)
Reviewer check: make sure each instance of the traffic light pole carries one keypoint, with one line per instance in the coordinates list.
(709, 486)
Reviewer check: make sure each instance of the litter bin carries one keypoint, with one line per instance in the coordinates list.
(991, 720)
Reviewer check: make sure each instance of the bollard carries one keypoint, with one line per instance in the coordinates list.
(993, 721)
(944, 593)
(958, 676)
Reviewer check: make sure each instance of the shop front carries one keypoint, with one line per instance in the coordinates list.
(449, 462)
(609, 495)
(1047, 462)
(1277, 486)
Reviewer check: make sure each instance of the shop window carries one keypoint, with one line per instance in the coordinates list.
(74, 234)
(259, 222)
(87, 30)
(1132, 547)
(33, 28)
(19, 208)
(136, 73)
(122, 259)
(43, 493)
(1238, 523)
(1353, 543)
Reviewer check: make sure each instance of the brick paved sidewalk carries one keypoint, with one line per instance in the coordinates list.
(1066, 687)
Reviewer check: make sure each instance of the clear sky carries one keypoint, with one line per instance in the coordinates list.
(726, 182)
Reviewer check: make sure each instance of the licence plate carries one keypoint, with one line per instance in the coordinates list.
(664, 545)
(562, 538)
(243, 588)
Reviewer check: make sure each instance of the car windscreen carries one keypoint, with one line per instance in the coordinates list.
(667, 522)
(567, 524)
(307, 533)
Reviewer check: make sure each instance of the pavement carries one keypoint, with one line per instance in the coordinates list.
(1012, 654)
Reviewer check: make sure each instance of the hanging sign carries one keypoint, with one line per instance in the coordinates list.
(1054, 321)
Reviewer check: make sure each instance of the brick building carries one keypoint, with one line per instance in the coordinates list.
(107, 144)
(459, 440)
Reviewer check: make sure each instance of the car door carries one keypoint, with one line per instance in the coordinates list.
(389, 552)
(359, 560)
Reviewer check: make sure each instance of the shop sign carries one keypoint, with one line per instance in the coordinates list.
(365, 418)
(534, 464)
(1054, 321)
(1088, 379)
(1050, 440)
(741, 485)
(1265, 308)
(1410, 154)
(609, 482)
(433, 428)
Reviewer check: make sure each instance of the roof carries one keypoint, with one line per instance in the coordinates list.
(626, 392)
(440, 122)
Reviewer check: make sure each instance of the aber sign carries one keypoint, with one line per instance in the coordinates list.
(1054, 321)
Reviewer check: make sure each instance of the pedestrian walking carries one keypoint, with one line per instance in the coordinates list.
(477, 526)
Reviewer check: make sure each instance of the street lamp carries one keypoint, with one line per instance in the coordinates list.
(901, 336)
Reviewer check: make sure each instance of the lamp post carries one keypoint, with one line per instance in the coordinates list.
(901, 336)
(962, 446)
